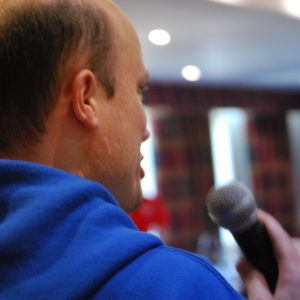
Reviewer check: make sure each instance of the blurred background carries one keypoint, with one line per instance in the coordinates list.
(223, 104)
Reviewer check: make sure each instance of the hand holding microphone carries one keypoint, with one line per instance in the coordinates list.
(287, 252)
(238, 215)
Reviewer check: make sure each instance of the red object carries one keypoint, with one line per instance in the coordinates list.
(151, 213)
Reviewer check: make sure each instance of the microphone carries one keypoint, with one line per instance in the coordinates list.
(233, 207)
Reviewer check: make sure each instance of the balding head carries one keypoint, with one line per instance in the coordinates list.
(39, 41)
(72, 79)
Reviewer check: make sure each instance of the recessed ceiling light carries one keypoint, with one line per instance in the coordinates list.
(159, 37)
(293, 6)
(230, 2)
(191, 73)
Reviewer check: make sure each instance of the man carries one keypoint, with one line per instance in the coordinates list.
(71, 122)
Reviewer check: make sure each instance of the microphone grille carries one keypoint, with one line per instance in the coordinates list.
(232, 206)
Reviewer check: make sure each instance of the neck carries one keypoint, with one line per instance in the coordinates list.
(40, 152)
(65, 145)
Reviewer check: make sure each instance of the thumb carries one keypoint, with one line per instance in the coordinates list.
(254, 282)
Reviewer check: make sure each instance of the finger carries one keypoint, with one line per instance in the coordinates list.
(296, 243)
(244, 268)
(254, 282)
(280, 239)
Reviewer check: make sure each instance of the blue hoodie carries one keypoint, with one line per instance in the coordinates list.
(65, 237)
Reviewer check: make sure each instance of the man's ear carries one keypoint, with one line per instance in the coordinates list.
(84, 102)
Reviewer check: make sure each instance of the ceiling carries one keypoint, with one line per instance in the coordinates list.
(255, 43)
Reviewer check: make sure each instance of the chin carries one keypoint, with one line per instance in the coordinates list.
(133, 202)
(137, 204)
(128, 193)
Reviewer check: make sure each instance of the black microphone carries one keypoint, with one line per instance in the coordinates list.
(233, 207)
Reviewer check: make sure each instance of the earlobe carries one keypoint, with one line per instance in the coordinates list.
(84, 103)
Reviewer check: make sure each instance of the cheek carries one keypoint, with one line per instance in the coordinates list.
(131, 126)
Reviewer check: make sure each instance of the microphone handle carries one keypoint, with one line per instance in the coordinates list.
(257, 247)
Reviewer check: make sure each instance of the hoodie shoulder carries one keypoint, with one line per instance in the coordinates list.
(168, 273)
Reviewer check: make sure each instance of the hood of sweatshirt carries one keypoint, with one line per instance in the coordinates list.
(61, 236)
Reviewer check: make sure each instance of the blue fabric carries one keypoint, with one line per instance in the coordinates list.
(65, 237)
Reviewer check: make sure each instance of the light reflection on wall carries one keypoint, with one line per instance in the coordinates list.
(149, 182)
(228, 134)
